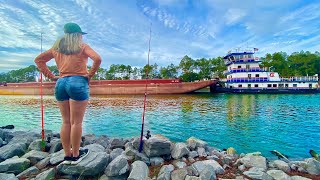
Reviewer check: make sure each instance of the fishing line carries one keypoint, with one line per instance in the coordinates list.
(145, 97)
(43, 145)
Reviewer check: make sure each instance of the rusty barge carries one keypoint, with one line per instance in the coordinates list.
(113, 87)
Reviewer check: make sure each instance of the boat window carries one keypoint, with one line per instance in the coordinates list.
(295, 85)
(256, 85)
(230, 87)
(237, 57)
(281, 85)
(241, 56)
(232, 58)
(240, 85)
(310, 86)
(286, 85)
(274, 85)
(239, 66)
(249, 55)
(249, 75)
(257, 75)
(269, 85)
(249, 85)
(247, 66)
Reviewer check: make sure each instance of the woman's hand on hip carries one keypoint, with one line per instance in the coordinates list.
(55, 78)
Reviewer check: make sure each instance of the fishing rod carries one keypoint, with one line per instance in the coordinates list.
(145, 97)
(43, 145)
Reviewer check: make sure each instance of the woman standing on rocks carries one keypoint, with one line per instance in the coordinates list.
(72, 86)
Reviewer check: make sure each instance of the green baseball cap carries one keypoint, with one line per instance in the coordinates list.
(72, 28)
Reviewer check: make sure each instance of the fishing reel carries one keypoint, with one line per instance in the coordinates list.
(148, 135)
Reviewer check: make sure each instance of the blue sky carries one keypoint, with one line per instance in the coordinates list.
(119, 30)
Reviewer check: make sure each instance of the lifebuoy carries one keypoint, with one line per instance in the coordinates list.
(271, 74)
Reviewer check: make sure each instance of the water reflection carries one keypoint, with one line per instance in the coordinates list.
(247, 122)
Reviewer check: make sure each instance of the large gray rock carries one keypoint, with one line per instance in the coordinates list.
(117, 143)
(142, 157)
(281, 165)
(46, 175)
(157, 146)
(43, 163)
(95, 148)
(165, 172)
(1, 142)
(179, 174)
(28, 172)
(55, 146)
(193, 143)
(251, 160)
(7, 176)
(155, 161)
(14, 165)
(116, 152)
(313, 166)
(200, 166)
(105, 177)
(10, 150)
(35, 156)
(179, 150)
(258, 175)
(139, 171)
(299, 178)
(208, 174)
(117, 167)
(103, 141)
(93, 164)
(278, 175)
(57, 157)
(36, 145)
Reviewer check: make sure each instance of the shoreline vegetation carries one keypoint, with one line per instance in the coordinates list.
(303, 63)
(21, 157)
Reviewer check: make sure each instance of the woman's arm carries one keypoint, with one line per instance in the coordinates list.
(41, 61)
(96, 60)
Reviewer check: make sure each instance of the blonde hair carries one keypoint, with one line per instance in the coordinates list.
(70, 43)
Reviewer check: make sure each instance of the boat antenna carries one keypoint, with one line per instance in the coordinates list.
(43, 145)
(145, 96)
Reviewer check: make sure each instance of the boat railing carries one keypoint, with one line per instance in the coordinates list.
(259, 79)
(240, 60)
(243, 70)
(301, 78)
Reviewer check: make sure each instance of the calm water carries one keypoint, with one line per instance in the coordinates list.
(287, 123)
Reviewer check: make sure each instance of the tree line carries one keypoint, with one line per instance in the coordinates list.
(297, 64)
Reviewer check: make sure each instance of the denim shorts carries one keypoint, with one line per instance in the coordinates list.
(72, 87)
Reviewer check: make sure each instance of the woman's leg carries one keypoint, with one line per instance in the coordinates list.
(66, 127)
(77, 110)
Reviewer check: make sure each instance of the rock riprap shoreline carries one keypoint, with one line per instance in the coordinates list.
(117, 158)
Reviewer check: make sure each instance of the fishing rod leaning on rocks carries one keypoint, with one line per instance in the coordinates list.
(145, 100)
(43, 144)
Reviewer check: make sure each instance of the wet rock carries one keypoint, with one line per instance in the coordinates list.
(201, 152)
(193, 154)
(179, 164)
(192, 178)
(139, 171)
(142, 157)
(43, 163)
(36, 145)
(299, 178)
(1, 142)
(105, 177)
(200, 165)
(103, 141)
